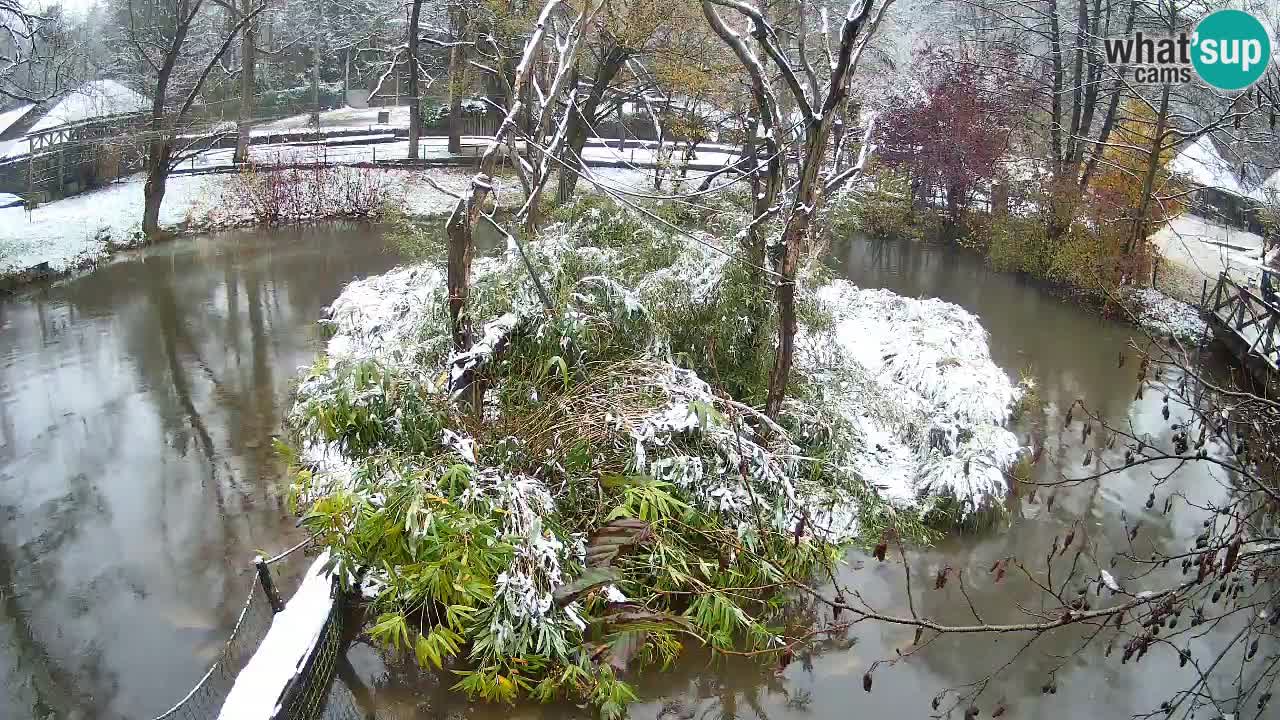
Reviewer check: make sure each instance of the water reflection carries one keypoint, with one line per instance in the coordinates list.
(1073, 354)
(136, 473)
(136, 477)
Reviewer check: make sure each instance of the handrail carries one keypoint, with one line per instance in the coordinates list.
(1242, 312)
(1248, 292)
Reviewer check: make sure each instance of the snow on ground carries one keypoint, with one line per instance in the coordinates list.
(71, 232)
(79, 230)
(340, 152)
(1207, 248)
(344, 118)
(294, 633)
(1165, 316)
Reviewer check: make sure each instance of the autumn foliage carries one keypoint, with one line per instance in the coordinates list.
(950, 133)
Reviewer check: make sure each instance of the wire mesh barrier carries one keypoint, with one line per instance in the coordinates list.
(306, 697)
(204, 700)
(310, 693)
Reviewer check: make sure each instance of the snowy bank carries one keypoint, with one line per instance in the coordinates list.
(1166, 317)
(68, 234)
(911, 381)
(916, 380)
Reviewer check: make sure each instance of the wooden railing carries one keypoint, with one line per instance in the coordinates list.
(1248, 315)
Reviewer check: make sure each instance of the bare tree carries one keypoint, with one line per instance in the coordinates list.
(415, 99)
(19, 49)
(566, 40)
(178, 47)
(816, 108)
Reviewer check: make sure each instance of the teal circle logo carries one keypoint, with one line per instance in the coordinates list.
(1231, 49)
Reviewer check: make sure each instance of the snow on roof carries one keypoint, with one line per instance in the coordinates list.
(98, 99)
(10, 117)
(1269, 191)
(1200, 163)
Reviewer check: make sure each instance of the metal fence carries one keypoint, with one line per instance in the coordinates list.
(312, 695)
(205, 699)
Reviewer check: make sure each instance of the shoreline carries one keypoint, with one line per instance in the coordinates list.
(1120, 309)
(13, 284)
(75, 235)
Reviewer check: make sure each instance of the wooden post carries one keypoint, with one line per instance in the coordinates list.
(268, 584)
(1204, 290)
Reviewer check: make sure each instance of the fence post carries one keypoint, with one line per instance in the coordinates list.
(1204, 291)
(268, 584)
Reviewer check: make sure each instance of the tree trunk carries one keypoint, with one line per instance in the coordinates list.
(315, 72)
(1138, 233)
(415, 102)
(158, 156)
(248, 58)
(793, 241)
(457, 81)
(582, 118)
(459, 273)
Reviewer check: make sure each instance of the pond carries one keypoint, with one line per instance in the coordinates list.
(137, 474)
(137, 479)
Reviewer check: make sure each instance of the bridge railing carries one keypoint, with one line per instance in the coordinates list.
(1247, 314)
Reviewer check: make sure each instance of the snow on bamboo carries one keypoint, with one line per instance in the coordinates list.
(910, 382)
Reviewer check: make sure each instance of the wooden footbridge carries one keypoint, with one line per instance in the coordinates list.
(1248, 325)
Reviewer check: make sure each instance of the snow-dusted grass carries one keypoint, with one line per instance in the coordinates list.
(78, 230)
(1166, 317)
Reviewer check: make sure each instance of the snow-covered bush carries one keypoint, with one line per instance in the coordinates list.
(584, 488)
(880, 206)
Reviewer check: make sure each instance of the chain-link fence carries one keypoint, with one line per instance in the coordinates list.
(204, 700)
(311, 694)
(306, 697)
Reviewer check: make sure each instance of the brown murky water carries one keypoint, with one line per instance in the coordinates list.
(136, 478)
